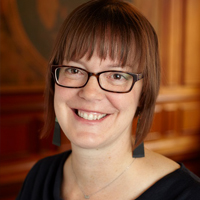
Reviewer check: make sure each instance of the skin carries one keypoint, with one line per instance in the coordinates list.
(102, 149)
(96, 134)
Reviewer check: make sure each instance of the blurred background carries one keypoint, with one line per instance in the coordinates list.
(27, 34)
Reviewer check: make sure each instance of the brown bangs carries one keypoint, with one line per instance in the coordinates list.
(107, 30)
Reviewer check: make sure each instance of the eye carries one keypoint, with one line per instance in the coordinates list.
(118, 76)
(72, 70)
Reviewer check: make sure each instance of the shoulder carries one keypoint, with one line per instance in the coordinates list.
(43, 175)
(53, 160)
(49, 163)
(158, 165)
(180, 184)
(187, 182)
(169, 180)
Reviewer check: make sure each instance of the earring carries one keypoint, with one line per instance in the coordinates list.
(56, 135)
(138, 152)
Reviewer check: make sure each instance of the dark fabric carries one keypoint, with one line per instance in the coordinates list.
(44, 182)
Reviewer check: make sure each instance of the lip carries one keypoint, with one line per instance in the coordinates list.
(75, 111)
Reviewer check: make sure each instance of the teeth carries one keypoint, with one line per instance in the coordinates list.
(90, 116)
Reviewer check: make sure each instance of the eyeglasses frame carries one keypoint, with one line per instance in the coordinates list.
(136, 77)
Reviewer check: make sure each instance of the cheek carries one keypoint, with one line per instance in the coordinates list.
(62, 94)
(59, 94)
(126, 100)
(61, 98)
(58, 99)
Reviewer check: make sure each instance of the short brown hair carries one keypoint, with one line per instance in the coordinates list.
(116, 29)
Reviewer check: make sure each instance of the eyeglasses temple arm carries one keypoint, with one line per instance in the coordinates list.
(140, 76)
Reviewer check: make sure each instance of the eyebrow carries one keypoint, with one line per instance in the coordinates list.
(126, 67)
(117, 65)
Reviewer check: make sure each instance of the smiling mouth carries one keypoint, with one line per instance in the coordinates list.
(90, 116)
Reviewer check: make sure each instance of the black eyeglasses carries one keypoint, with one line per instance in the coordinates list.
(110, 81)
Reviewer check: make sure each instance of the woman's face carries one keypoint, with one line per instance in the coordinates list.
(115, 111)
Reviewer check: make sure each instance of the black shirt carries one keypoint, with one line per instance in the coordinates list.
(44, 182)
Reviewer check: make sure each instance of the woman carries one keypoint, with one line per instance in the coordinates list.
(104, 71)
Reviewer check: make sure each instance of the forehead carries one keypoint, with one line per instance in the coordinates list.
(112, 54)
(95, 61)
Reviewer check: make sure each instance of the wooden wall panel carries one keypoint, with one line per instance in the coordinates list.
(190, 117)
(175, 15)
(192, 40)
(180, 42)
(21, 122)
(14, 138)
(176, 128)
(157, 125)
(170, 119)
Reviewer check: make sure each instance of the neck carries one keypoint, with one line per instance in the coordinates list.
(94, 169)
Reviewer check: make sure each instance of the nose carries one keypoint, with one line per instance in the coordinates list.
(92, 90)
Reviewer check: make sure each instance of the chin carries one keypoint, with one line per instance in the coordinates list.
(90, 141)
